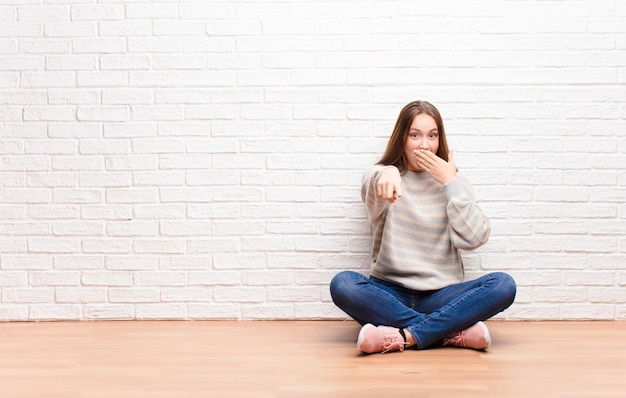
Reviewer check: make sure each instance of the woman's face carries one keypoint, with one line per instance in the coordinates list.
(423, 134)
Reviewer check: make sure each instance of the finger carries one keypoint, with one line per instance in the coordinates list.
(420, 153)
(381, 190)
(398, 192)
(451, 156)
(426, 157)
(419, 156)
(389, 192)
(384, 191)
(426, 153)
(423, 158)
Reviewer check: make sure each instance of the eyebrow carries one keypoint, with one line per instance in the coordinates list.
(414, 129)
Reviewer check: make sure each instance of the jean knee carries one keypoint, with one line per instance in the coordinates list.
(341, 284)
(506, 286)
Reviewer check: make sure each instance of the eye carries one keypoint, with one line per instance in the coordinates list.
(413, 135)
(433, 135)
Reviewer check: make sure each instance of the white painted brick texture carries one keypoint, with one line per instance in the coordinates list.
(202, 160)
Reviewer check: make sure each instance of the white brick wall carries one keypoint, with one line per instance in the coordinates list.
(201, 159)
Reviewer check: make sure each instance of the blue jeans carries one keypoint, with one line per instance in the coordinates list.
(428, 315)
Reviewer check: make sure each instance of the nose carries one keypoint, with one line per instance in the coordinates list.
(422, 144)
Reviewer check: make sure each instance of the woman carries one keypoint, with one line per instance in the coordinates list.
(422, 212)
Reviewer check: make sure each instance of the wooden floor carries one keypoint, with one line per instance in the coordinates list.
(177, 359)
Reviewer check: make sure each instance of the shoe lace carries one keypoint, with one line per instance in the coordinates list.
(392, 343)
(456, 339)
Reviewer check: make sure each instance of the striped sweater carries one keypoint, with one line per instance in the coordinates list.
(416, 238)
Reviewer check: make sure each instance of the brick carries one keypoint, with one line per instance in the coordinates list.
(587, 311)
(220, 311)
(199, 11)
(13, 245)
(267, 278)
(180, 96)
(270, 244)
(308, 278)
(132, 228)
(45, 46)
(186, 294)
(37, 179)
(239, 261)
(267, 177)
(213, 210)
(590, 244)
(154, 78)
(46, 13)
(130, 130)
(588, 278)
(151, 11)
(188, 262)
(78, 228)
(106, 246)
(345, 261)
(78, 262)
(14, 279)
(106, 278)
(290, 228)
(103, 113)
(112, 179)
(163, 246)
(99, 46)
(25, 229)
(48, 79)
(551, 294)
(131, 163)
(157, 112)
(185, 194)
(97, 13)
(293, 294)
(27, 295)
(243, 294)
(54, 312)
(319, 311)
(126, 28)
(268, 311)
(108, 312)
(54, 245)
(216, 278)
(72, 96)
(122, 97)
(65, 62)
(217, 244)
(133, 295)
(131, 263)
(80, 294)
(14, 312)
(161, 311)
(70, 29)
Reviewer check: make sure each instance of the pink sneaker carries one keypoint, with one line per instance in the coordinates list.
(379, 339)
(476, 337)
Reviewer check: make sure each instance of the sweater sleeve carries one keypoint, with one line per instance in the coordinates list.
(469, 227)
(374, 205)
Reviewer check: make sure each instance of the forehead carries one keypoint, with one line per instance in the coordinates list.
(423, 122)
